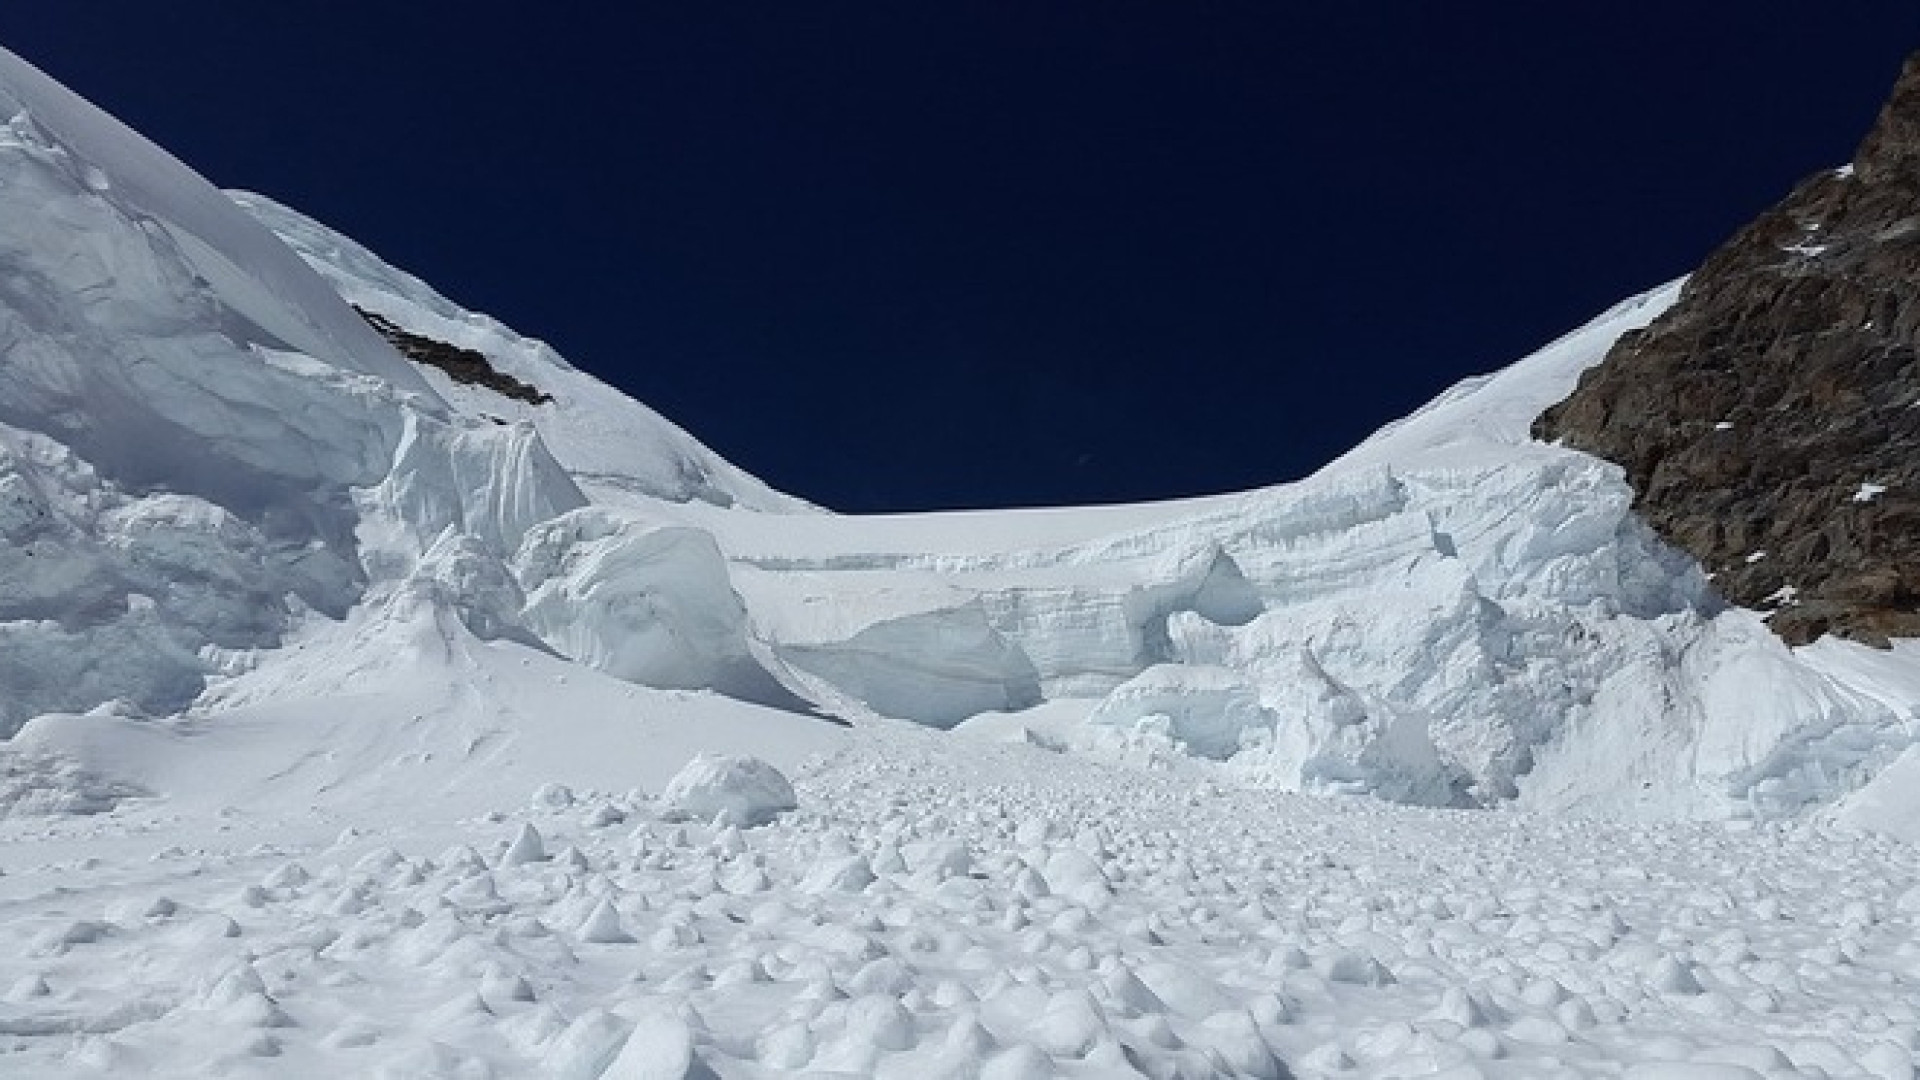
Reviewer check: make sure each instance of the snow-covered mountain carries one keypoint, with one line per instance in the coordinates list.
(227, 493)
(1096, 791)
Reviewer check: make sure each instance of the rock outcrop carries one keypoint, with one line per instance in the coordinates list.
(462, 365)
(1769, 422)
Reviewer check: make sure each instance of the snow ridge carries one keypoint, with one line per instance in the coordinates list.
(241, 262)
(614, 446)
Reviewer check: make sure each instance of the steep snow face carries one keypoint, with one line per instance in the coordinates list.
(176, 476)
(120, 346)
(203, 446)
(271, 296)
(617, 449)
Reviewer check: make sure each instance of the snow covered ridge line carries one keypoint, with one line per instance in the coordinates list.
(617, 448)
(242, 262)
(462, 365)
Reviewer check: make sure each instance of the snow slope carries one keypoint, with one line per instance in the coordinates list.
(186, 218)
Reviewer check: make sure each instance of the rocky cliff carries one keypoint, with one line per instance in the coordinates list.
(1769, 422)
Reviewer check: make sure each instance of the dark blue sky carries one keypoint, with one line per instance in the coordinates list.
(889, 257)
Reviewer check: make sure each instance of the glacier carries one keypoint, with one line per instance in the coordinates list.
(214, 472)
(360, 721)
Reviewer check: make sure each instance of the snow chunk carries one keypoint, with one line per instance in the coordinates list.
(660, 1047)
(848, 873)
(648, 603)
(588, 1046)
(738, 790)
(527, 847)
(602, 925)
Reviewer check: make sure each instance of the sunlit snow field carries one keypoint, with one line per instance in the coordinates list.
(944, 905)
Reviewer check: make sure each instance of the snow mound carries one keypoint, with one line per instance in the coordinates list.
(729, 790)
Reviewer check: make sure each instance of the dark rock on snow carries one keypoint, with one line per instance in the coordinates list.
(463, 365)
(1770, 421)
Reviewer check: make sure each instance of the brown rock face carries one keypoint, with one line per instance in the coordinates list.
(1770, 421)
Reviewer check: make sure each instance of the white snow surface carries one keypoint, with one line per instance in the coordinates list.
(290, 630)
(1002, 911)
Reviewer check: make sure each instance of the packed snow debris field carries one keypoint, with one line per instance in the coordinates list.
(358, 722)
(930, 910)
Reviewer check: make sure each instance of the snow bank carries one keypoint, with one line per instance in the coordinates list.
(1449, 614)
(108, 594)
(175, 477)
